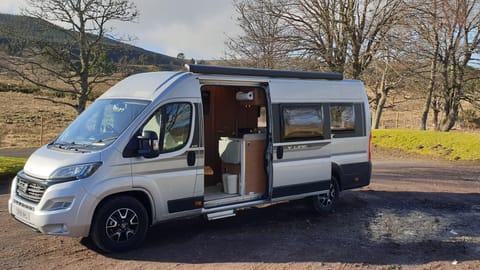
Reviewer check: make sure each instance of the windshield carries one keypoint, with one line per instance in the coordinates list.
(100, 124)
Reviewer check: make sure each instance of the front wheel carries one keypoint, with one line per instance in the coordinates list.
(119, 224)
(326, 203)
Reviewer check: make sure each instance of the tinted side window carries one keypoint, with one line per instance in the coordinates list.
(346, 120)
(303, 122)
(342, 117)
(176, 126)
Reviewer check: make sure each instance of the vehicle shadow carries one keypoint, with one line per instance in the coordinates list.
(5, 185)
(372, 227)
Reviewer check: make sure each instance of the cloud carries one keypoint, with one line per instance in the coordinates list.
(11, 6)
(196, 28)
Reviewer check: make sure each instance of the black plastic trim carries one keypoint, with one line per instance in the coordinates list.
(184, 204)
(196, 133)
(274, 73)
(349, 172)
(290, 190)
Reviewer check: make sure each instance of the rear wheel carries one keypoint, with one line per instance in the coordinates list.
(326, 203)
(119, 224)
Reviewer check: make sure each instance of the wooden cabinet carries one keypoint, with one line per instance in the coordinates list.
(251, 170)
(255, 176)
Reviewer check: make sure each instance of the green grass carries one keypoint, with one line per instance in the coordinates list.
(9, 166)
(447, 145)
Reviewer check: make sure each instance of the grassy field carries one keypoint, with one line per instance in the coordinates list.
(447, 145)
(28, 122)
(9, 166)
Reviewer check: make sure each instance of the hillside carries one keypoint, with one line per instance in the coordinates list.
(20, 32)
(28, 121)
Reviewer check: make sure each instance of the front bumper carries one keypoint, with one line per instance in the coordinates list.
(64, 209)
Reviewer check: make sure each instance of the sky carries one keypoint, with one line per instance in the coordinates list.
(196, 28)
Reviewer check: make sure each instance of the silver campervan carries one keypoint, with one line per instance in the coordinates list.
(210, 141)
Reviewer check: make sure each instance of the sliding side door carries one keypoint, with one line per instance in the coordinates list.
(301, 160)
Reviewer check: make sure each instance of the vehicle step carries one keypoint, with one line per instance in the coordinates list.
(222, 214)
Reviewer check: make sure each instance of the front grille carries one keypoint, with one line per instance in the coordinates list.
(30, 191)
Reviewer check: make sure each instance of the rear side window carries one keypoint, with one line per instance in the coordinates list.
(346, 120)
(303, 122)
(342, 117)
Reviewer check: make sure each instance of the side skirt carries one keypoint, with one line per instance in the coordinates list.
(185, 204)
(291, 190)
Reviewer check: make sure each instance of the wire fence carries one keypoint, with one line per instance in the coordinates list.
(409, 120)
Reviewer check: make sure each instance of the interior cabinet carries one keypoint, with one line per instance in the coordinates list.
(251, 169)
(255, 177)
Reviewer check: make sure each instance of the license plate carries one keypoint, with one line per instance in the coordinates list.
(20, 213)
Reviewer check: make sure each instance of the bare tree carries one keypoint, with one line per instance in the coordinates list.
(471, 89)
(389, 71)
(79, 63)
(445, 35)
(387, 79)
(340, 35)
(345, 35)
(461, 38)
(427, 22)
(262, 42)
(459, 34)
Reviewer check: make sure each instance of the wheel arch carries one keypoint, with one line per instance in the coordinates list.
(338, 173)
(139, 194)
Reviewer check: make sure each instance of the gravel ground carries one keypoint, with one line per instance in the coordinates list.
(415, 215)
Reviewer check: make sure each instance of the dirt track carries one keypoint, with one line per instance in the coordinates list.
(414, 215)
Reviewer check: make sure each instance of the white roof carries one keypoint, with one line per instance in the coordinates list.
(148, 86)
(142, 86)
(304, 91)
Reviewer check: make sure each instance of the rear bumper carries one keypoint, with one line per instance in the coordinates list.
(355, 175)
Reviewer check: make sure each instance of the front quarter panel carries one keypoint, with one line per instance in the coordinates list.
(44, 161)
(114, 176)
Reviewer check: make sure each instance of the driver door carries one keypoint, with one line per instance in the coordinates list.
(171, 178)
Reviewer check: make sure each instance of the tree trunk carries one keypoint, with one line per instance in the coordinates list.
(453, 93)
(379, 110)
(431, 86)
(383, 98)
(450, 117)
(449, 122)
(82, 101)
(426, 108)
(436, 113)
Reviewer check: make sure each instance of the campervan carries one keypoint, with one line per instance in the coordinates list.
(207, 141)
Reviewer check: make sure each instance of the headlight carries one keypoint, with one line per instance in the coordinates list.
(74, 172)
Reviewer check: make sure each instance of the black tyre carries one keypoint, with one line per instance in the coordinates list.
(119, 224)
(326, 203)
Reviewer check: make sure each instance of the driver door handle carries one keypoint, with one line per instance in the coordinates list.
(191, 158)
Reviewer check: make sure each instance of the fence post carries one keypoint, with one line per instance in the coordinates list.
(41, 129)
(397, 116)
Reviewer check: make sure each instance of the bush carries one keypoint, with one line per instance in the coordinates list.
(18, 88)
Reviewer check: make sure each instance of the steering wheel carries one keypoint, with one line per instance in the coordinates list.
(109, 129)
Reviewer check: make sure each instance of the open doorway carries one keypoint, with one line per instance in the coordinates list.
(235, 144)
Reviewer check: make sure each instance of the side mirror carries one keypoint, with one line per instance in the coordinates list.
(148, 144)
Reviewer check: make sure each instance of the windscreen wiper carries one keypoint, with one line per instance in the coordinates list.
(101, 141)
